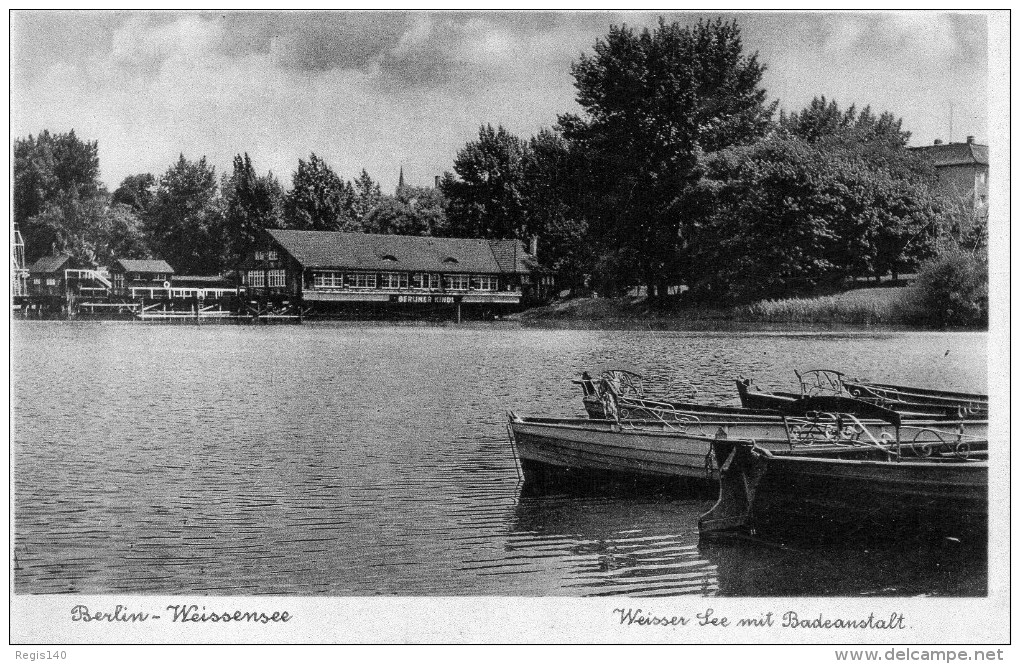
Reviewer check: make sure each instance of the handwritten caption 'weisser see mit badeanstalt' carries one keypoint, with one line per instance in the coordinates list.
(709, 618)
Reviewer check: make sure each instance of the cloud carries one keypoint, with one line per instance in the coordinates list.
(376, 90)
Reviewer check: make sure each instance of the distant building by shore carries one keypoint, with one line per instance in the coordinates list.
(963, 169)
(327, 270)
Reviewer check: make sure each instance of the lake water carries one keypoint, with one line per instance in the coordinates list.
(360, 459)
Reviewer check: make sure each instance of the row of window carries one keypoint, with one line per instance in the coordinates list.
(271, 278)
(421, 280)
(393, 280)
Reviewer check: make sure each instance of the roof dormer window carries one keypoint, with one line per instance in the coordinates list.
(451, 260)
(390, 258)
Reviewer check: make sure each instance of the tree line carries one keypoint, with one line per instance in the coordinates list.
(677, 171)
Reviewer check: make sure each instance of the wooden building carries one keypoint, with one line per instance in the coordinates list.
(320, 268)
(150, 278)
(48, 276)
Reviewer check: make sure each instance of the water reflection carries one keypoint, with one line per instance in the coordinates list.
(650, 546)
(615, 546)
(851, 567)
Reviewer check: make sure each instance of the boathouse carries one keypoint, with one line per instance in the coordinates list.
(329, 270)
(47, 275)
(149, 278)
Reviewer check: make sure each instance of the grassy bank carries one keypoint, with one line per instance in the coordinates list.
(864, 307)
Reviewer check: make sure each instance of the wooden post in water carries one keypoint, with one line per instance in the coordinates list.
(458, 313)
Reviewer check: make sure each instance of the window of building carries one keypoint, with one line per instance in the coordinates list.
(265, 255)
(50, 281)
(363, 280)
(982, 177)
(256, 278)
(37, 282)
(390, 258)
(456, 282)
(486, 282)
(277, 278)
(425, 280)
(393, 279)
(450, 260)
(328, 279)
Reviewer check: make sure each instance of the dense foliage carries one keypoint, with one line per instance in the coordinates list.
(952, 290)
(185, 222)
(252, 203)
(786, 216)
(61, 205)
(654, 103)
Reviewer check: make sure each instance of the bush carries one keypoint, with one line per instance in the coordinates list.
(869, 306)
(952, 290)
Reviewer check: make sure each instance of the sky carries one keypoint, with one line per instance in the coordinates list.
(384, 90)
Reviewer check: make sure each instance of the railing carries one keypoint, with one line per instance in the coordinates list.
(92, 275)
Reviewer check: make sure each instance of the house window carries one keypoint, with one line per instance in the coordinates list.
(363, 280)
(329, 280)
(277, 278)
(982, 178)
(265, 255)
(456, 282)
(256, 278)
(50, 281)
(425, 280)
(37, 282)
(393, 279)
(486, 282)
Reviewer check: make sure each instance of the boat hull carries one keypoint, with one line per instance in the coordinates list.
(786, 492)
(658, 450)
(587, 446)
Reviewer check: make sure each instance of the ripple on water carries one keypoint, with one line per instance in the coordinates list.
(365, 460)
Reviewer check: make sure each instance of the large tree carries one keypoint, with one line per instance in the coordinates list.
(320, 200)
(551, 209)
(56, 176)
(412, 211)
(367, 195)
(486, 196)
(251, 203)
(787, 216)
(654, 102)
(185, 219)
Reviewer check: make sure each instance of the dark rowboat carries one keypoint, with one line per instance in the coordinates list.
(827, 490)
(912, 405)
(619, 395)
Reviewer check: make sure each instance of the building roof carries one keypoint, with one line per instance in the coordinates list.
(149, 265)
(48, 264)
(327, 249)
(955, 154)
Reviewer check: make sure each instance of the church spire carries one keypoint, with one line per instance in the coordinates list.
(400, 182)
